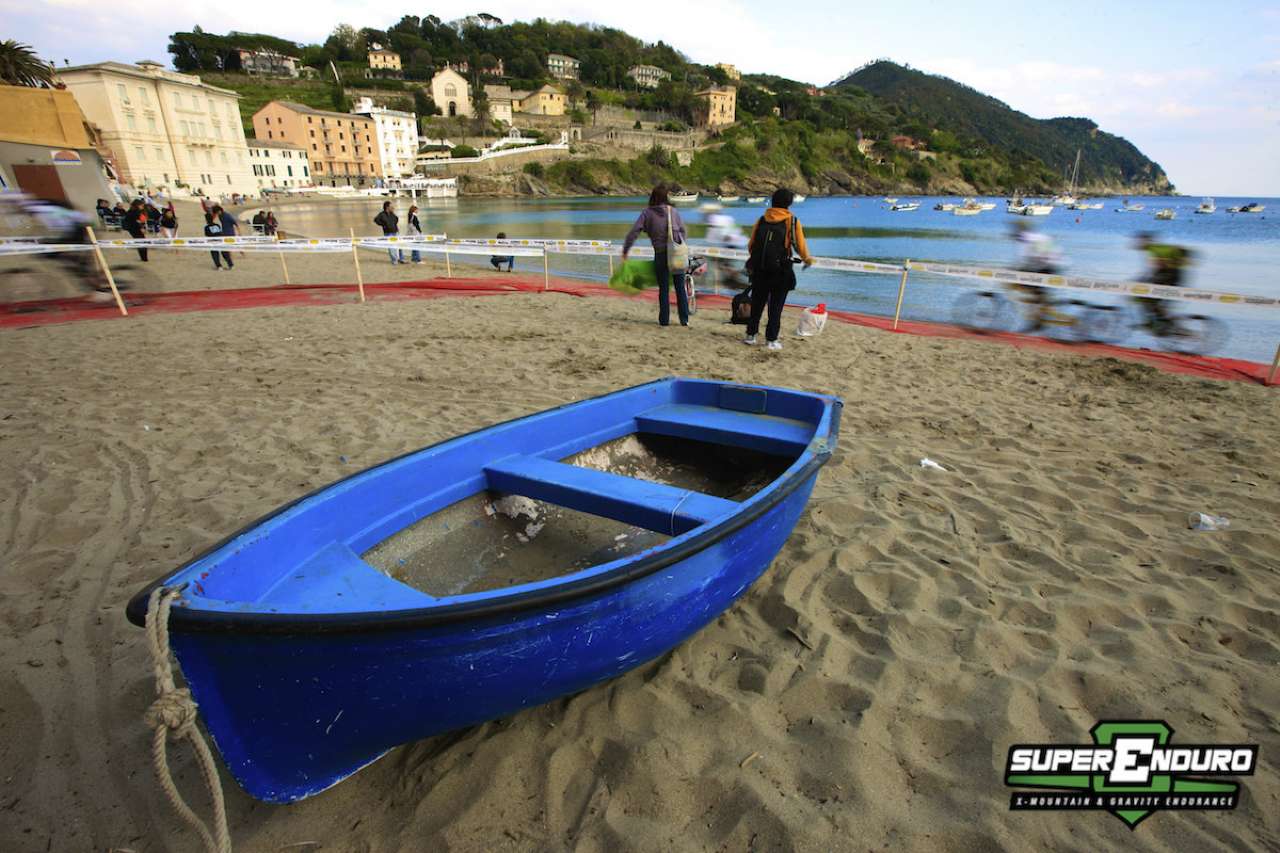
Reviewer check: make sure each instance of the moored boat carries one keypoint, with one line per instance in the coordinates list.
(1033, 209)
(799, 198)
(945, 206)
(1207, 206)
(489, 573)
(1251, 207)
(1126, 207)
(905, 206)
(890, 200)
(757, 199)
(1165, 214)
(727, 199)
(682, 198)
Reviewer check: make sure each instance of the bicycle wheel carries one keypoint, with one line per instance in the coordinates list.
(1197, 334)
(1102, 324)
(984, 311)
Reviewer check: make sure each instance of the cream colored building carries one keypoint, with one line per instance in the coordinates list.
(450, 92)
(564, 67)
(163, 127)
(648, 76)
(279, 164)
(501, 103)
(384, 63)
(395, 135)
(268, 63)
(722, 105)
(547, 101)
(730, 71)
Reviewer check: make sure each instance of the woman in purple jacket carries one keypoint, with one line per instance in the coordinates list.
(653, 221)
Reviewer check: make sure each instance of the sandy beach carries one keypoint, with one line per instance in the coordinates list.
(862, 695)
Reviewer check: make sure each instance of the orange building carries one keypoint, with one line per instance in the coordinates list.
(343, 148)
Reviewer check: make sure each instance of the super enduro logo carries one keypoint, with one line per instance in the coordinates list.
(1130, 770)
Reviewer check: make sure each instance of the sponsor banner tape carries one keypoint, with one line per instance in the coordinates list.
(397, 238)
(26, 248)
(180, 242)
(455, 247)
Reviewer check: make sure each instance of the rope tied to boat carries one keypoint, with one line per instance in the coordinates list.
(173, 715)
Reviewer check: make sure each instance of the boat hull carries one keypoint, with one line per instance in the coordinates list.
(293, 714)
(308, 663)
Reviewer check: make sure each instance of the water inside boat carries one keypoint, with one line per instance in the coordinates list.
(493, 540)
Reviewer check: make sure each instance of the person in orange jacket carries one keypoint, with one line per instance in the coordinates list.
(775, 241)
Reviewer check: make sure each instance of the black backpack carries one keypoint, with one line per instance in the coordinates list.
(741, 308)
(771, 255)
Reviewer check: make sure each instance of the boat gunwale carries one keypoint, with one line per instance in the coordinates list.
(194, 620)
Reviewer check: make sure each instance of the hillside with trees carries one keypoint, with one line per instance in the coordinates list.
(884, 128)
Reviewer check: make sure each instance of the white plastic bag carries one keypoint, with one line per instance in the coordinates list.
(812, 321)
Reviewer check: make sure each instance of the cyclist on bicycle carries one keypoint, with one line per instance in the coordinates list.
(1167, 263)
(63, 224)
(1038, 253)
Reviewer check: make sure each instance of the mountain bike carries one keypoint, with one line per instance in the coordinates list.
(994, 311)
(1189, 334)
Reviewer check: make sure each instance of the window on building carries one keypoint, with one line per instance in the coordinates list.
(159, 155)
(305, 172)
(228, 179)
(151, 124)
(223, 155)
(123, 92)
(313, 134)
(186, 129)
(177, 100)
(269, 136)
(208, 158)
(340, 136)
(131, 121)
(137, 150)
(195, 105)
(142, 95)
(290, 169)
(344, 149)
(315, 147)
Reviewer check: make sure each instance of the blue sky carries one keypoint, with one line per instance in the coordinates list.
(1195, 85)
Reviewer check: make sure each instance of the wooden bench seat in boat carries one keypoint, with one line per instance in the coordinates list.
(653, 506)
(766, 433)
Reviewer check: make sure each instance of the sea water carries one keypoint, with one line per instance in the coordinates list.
(1238, 253)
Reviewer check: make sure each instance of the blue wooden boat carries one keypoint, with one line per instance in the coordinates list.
(493, 572)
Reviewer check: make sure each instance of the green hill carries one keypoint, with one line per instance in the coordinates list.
(1107, 162)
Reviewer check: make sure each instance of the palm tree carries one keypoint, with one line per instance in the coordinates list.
(19, 66)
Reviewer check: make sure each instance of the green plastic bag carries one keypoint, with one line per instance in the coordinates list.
(633, 276)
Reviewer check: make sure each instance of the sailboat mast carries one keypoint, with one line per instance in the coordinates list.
(1075, 172)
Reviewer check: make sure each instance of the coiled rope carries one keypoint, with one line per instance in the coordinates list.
(173, 715)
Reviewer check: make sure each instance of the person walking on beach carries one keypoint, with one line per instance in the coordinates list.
(169, 222)
(213, 228)
(135, 222)
(775, 239)
(413, 228)
(662, 223)
(390, 224)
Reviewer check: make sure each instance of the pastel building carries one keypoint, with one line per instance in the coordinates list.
(384, 63)
(722, 104)
(564, 67)
(501, 103)
(341, 149)
(648, 76)
(279, 165)
(395, 135)
(47, 147)
(164, 128)
(268, 63)
(547, 101)
(451, 94)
